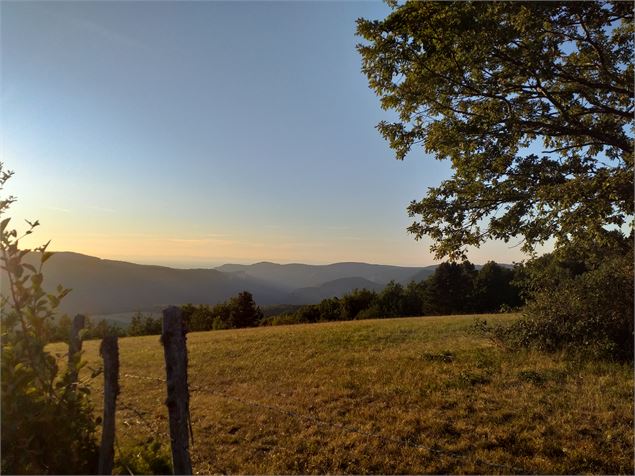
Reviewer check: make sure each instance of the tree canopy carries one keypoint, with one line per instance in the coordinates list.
(532, 102)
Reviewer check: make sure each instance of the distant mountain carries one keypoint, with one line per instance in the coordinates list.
(423, 273)
(101, 286)
(294, 276)
(106, 287)
(337, 287)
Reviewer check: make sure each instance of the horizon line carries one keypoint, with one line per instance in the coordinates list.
(135, 261)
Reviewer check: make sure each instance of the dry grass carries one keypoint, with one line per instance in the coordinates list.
(399, 383)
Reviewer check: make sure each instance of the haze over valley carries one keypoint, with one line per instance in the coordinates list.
(105, 287)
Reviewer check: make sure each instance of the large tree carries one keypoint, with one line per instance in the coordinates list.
(532, 102)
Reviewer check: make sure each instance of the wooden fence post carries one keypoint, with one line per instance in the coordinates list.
(109, 351)
(75, 345)
(178, 401)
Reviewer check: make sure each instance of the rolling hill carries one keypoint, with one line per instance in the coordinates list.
(294, 276)
(107, 287)
(337, 287)
(101, 286)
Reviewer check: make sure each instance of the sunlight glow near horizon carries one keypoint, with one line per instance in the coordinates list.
(196, 134)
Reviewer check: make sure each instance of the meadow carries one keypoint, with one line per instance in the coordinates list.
(405, 396)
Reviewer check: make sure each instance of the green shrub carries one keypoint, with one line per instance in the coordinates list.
(143, 325)
(47, 420)
(147, 457)
(330, 310)
(281, 320)
(372, 312)
(355, 302)
(308, 314)
(583, 310)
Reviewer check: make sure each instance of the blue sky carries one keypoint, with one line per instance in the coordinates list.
(198, 133)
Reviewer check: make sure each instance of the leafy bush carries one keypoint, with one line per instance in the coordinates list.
(144, 325)
(390, 301)
(281, 320)
(102, 329)
(372, 312)
(330, 309)
(147, 457)
(356, 301)
(238, 311)
(47, 420)
(308, 314)
(581, 307)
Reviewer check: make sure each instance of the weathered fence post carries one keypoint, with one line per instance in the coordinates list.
(178, 401)
(75, 345)
(109, 351)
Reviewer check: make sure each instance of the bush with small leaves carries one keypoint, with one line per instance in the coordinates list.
(47, 419)
(147, 457)
(584, 308)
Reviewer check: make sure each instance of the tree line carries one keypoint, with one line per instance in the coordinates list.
(454, 288)
(238, 311)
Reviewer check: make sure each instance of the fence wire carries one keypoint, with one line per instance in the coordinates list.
(151, 427)
(334, 425)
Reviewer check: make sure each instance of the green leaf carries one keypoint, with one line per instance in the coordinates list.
(30, 267)
(3, 224)
(37, 279)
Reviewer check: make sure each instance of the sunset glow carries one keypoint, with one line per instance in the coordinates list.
(216, 133)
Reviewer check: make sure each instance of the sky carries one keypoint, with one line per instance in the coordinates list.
(192, 134)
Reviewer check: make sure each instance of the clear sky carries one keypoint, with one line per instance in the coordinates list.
(199, 133)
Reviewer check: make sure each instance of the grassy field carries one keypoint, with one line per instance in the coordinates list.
(415, 395)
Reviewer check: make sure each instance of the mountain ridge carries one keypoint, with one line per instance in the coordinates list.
(103, 286)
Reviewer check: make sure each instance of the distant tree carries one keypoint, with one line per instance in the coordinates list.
(356, 301)
(450, 289)
(244, 311)
(372, 312)
(413, 298)
(532, 102)
(101, 329)
(198, 318)
(494, 288)
(309, 313)
(330, 309)
(222, 316)
(142, 325)
(390, 301)
(154, 325)
(135, 328)
(60, 330)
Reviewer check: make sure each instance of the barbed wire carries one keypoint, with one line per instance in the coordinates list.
(340, 426)
(152, 428)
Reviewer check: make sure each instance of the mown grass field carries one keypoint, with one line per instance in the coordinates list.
(413, 395)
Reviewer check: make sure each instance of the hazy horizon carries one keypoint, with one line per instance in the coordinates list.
(210, 265)
(206, 132)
